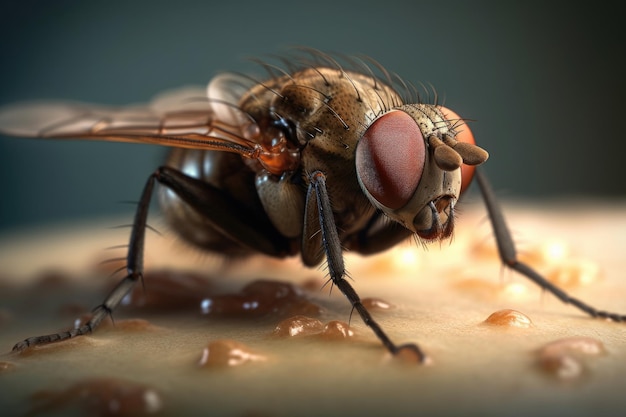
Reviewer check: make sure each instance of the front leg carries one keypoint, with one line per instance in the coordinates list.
(508, 254)
(318, 213)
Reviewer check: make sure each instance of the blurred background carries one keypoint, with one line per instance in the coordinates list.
(544, 82)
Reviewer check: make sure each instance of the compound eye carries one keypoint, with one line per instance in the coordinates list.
(390, 159)
(464, 134)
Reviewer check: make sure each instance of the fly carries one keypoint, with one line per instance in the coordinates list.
(314, 160)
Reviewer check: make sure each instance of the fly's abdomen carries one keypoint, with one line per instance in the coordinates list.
(222, 172)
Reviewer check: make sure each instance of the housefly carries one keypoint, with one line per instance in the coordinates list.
(324, 155)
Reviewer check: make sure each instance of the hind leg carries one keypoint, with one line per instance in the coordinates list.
(235, 221)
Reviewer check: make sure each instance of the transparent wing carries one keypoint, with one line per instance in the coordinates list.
(185, 118)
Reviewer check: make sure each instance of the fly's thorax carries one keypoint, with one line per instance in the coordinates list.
(326, 110)
(327, 107)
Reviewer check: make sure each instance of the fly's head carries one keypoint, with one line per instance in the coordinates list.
(413, 165)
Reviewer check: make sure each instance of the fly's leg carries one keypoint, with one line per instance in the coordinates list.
(134, 269)
(508, 254)
(237, 224)
(334, 255)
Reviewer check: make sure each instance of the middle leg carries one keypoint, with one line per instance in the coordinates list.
(318, 212)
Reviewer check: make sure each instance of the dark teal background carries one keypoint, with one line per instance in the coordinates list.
(545, 82)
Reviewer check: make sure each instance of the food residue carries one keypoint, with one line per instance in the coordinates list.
(227, 353)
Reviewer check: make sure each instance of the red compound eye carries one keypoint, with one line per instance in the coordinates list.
(390, 159)
(464, 135)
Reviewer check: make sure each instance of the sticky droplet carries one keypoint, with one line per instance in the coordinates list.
(509, 318)
(227, 353)
(101, 397)
(307, 326)
(178, 290)
(376, 304)
(260, 298)
(337, 330)
(169, 290)
(565, 359)
(562, 366)
(298, 326)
